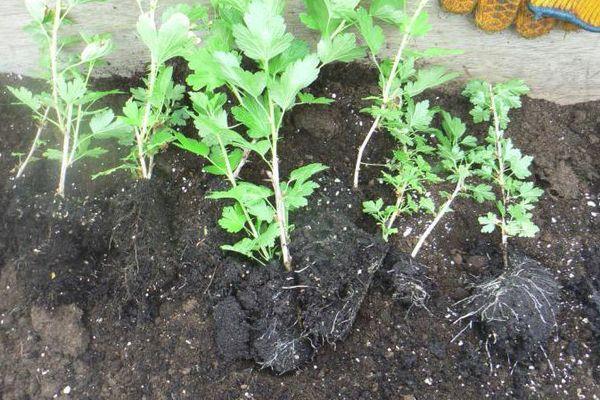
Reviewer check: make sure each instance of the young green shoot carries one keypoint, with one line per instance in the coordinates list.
(69, 102)
(154, 111)
(502, 164)
(390, 71)
(458, 153)
(282, 67)
(408, 172)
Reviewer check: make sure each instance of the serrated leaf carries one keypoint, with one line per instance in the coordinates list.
(254, 84)
(232, 219)
(428, 78)
(206, 70)
(342, 48)
(306, 172)
(191, 145)
(421, 25)
(263, 35)
(391, 11)
(26, 97)
(254, 117)
(372, 34)
(170, 40)
(296, 77)
(70, 91)
(309, 98)
(244, 192)
(372, 207)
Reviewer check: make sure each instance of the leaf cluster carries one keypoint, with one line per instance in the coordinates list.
(69, 105)
(501, 163)
(249, 53)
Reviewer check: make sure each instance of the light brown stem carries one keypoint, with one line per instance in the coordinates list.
(437, 218)
(41, 127)
(387, 89)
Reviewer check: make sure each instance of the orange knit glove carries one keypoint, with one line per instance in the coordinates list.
(496, 15)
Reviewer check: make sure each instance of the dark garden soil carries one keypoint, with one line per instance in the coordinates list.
(121, 291)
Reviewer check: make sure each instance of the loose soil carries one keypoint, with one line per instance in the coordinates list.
(121, 291)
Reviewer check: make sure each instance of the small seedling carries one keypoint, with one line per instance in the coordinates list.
(399, 81)
(459, 154)
(154, 111)
(69, 104)
(502, 164)
(282, 67)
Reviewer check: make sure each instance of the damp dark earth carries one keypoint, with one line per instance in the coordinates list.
(121, 291)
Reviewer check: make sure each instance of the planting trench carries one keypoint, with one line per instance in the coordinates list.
(121, 291)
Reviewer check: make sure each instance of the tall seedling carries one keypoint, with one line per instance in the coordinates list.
(502, 164)
(409, 171)
(68, 105)
(154, 110)
(282, 67)
(399, 82)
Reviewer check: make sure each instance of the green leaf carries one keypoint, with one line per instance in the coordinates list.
(317, 16)
(206, 70)
(158, 140)
(254, 117)
(342, 48)
(372, 34)
(427, 79)
(132, 114)
(372, 207)
(170, 40)
(296, 77)
(419, 116)
(391, 11)
(421, 25)
(71, 91)
(244, 192)
(232, 219)
(53, 154)
(308, 98)
(254, 84)
(268, 237)
(306, 172)
(191, 145)
(244, 246)
(488, 222)
(26, 97)
(343, 9)
(104, 125)
(482, 192)
(427, 204)
(95, 152)
(262, 36)
(218, 166)
(262, 211)
(297, 50)
(99, 48)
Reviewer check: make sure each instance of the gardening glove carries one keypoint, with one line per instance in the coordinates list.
(532, 18)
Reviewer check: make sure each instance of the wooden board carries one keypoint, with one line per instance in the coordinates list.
(563, 67)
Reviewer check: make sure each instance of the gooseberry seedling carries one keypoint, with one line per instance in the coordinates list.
(154, 111)
(69, 104)
(282, 67)
(502, 164)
